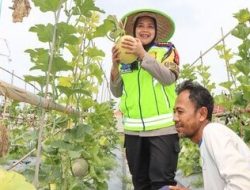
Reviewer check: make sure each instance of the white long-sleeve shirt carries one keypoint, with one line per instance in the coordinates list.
(225, 159)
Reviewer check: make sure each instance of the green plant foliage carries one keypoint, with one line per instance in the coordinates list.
(187, 72)
(66, 34)
(242, 16)
(94, 52)
(74, 80)
(235, 98)
(103, 29)
(85, 8)
(74, 75)
(242, 30)
(189, 158)
(14, 181)
(247, 134)
(203, 72)
(41, 80)
(38, 55)
(59, 65)
(75, 89)
(243, 66)
(225, 54)
(44, 33)
(48, 5)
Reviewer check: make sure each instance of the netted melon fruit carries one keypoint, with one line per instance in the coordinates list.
(80, 167)
(124, 57)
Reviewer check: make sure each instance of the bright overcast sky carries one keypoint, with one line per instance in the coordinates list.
(198, 27)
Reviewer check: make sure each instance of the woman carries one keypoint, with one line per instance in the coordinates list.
(147, 91)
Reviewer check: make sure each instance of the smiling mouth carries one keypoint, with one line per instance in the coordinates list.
(178, 130)
(144, 36)
(177, 127)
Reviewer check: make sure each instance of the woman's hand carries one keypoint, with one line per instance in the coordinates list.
(134, 47)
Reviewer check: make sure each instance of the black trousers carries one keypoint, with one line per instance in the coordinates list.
(152, 161)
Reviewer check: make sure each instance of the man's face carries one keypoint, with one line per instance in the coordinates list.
(186, 116)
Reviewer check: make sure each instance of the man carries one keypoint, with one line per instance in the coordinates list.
(225, 157)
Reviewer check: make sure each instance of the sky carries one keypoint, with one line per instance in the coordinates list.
(198, 26)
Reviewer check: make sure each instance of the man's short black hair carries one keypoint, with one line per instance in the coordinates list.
(199, 95)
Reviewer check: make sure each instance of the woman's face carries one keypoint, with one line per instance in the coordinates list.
(145, 29)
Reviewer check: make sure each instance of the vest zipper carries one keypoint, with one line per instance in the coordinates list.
(156, 102)
(139, 92)
(166, 96)
(126, 101)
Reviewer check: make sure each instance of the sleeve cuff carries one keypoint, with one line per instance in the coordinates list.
(116, 82)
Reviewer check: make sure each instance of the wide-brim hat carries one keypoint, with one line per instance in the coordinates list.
(165, 25)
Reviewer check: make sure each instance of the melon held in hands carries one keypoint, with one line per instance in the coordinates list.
(124, 57)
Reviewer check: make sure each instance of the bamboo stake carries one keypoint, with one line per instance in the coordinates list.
(209, 49)
(43, 117)
(21, 95)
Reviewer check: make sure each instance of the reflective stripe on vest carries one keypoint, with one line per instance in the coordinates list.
(151, 123)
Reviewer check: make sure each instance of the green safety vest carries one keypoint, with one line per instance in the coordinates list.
(146, 104)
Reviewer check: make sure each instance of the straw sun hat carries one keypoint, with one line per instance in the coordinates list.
(165, 25)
